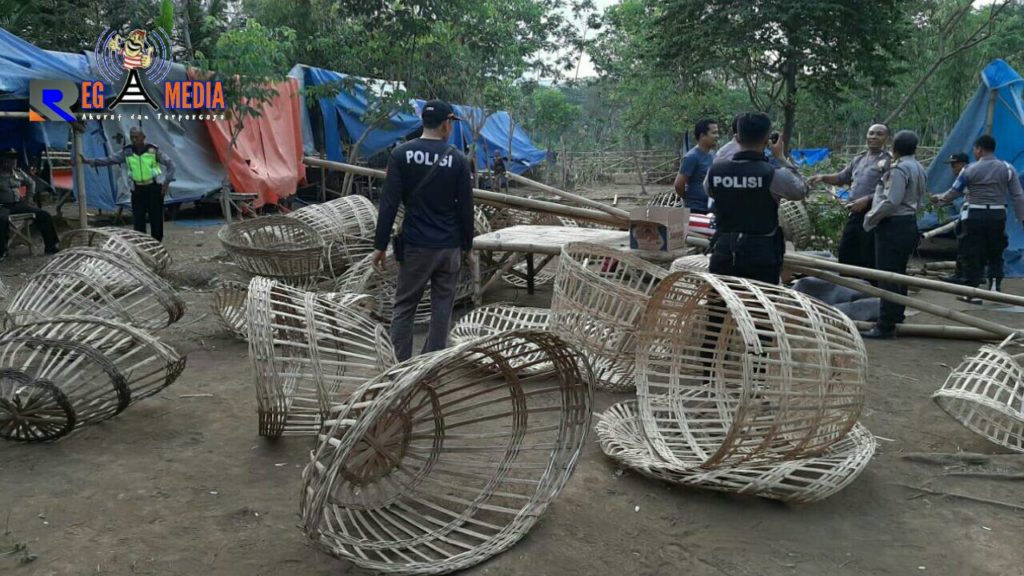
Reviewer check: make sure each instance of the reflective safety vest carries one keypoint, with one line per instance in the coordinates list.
(143, 167)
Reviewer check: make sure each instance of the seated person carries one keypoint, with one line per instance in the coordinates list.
(11, 179)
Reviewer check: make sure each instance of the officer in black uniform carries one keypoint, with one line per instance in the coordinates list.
(746, 188)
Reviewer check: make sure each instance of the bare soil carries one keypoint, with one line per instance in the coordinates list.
(182, 483)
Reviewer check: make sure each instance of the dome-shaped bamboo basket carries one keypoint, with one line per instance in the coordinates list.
(599, 297)
(148, 250)
(735, 371)
(309, 352)
(804, 480)
(495, 318)
(450, 457)
(347, 226)
(279, 247)
(229, 306)
(694, 262)
(985, 393)
(795, 223)
(85, 370)
(93, 282)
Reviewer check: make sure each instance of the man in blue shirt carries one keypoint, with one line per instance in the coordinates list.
(689, 182)
(432, 180)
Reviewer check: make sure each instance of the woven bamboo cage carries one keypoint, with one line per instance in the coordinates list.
(347, 226)
(985, 393)
(735, 371)
(664, 200)
(279, 247)
(85, 370)
(309, 353)
(495, 318)
(795, 223)
(449, 458)
(229, 305)
(4, 291)
(93, 282)
(150, 251)
(599, 297)
(481, 224)
(547, 274)
(695, 262)
(621, 436)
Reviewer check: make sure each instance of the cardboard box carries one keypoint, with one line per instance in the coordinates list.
(658, 229)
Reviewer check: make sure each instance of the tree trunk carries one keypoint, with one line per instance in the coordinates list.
(789, 102)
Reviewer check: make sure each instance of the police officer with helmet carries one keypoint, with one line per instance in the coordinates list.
(149, 182)
(746, 189)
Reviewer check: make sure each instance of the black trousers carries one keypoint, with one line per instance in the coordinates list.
(148, 203)
(982, 240)
(756, 257)
(856, 245)
(43, 223)
(895, 240)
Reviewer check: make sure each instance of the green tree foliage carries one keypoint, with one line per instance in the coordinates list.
(74, 25)
(553, 114)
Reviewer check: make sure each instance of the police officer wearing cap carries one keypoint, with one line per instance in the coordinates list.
(432, 180)
(957, 162)
(11, 181)
(746, 190)
(862, 174)
(149, 183)
(893, 218)
(983, 217)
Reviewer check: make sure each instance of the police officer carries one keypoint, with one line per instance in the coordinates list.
(862, 174)
(746, 189)
(957, 162)
(983, 226)
(893, 218)
(148, 188)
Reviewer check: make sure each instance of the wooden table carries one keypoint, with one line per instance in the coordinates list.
(546, 240)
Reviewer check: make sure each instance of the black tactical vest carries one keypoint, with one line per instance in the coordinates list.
(741, 188)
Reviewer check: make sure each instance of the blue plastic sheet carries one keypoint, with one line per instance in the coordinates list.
(809, 156)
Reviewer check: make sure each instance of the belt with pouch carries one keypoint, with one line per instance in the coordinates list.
(986, 206)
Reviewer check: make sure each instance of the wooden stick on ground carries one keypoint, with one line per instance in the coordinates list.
(942, 312)
(936, 331)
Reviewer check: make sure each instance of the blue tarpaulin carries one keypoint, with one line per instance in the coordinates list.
(342, 117)
(1000, 95)
(809, 156)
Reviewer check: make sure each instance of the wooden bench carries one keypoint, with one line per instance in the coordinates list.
(20, 231)
(243, 204)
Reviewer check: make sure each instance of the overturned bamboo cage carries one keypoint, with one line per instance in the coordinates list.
(450, 457)
(94, 282)
(229, 305)
(121, 241)
(309, 351)
(804, 480)
(599, 297)
(985, 393)
(83, 370)
(795, 223)
(496, 318)
(733, 371)
(346, 225)
(278, 247)
(693, 262)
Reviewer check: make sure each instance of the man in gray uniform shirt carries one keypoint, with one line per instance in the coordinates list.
(983, 234)
(862, 174)
(893, 218)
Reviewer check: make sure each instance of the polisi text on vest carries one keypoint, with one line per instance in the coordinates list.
(737, 181)
(426, 158)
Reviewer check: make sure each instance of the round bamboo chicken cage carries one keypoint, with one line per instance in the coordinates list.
(795, 223)
(694, 262)
(279, 247)
(449, 458)
(734, 371)
(347, 226)
(621, 436)
(496, 318)
(84, 370)
(146, 248)
(985, 393)
(599, 297)
(94, 282)
(309, 351)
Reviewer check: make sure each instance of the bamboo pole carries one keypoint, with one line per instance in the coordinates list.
(492, 198)
(892, 277)
(940, 230)
(83, 216)
(936, 331)
(940, 311)
(581, 200)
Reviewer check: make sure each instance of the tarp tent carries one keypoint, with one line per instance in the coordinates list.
(298, 72)
(996, 109)
(494, 136)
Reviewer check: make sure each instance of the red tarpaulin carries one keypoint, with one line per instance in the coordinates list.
(267, 156)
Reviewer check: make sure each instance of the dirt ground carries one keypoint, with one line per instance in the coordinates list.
(182, 484)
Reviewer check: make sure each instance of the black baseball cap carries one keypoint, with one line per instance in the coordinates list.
(437, 111)
(958, 157)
